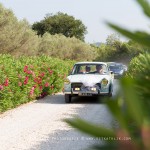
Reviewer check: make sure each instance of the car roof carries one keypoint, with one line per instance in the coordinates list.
(114, 63)
(91, 63)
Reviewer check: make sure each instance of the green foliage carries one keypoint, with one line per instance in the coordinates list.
(115, 50)
(136, 48)
(145, 5)
(21, 82)
(139, 66)
(66, 48)
(139, 69)
(112, 39)
(16, 36)
(131, 106)
(61, 23)
(98, 132)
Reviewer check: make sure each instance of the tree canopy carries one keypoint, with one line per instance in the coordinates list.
(61, 23)
(16, 37)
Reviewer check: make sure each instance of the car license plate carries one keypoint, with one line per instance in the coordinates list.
(85, 94)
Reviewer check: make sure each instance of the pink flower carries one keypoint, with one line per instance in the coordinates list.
(34, 86)
(32, 91)
(50, 71)
(19, 76)
(1, 87)
(29, 72)
(35, 79)
(6, 83)
(46, 84)
(33, 74)
(26, 80)
(42, 74)
(41, 88)
(19, 84)
(39, 81)
(25, 68)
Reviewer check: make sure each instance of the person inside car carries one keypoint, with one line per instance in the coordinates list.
(87, 69)
(99, 69)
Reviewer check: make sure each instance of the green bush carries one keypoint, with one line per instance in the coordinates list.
(139, 69)
(17, 38)
(139, 66)
(28, 78)
(59, 46)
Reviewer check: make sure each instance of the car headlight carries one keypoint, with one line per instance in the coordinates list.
(77, 89)
(93, 89)
(67, 81)
(104, 81)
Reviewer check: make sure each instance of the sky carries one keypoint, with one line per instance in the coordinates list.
(92, 13)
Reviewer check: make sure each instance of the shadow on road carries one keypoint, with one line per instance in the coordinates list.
(59, 99)
(67, 140)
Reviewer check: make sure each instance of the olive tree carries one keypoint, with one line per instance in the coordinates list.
(61, 23)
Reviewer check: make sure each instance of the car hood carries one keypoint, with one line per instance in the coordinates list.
(87, 79)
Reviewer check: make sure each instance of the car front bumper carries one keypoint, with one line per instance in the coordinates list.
(86, 93)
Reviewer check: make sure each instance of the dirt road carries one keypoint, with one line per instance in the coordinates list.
(39, 125)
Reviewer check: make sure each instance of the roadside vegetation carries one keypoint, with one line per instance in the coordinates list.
(66, 48)
(17, 38)
(131, 106)
(29, 78)
(116, 50)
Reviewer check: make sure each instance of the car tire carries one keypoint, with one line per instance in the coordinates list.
(110, 94)
(67, 98)
(110, 91)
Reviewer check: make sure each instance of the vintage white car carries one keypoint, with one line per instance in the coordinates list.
(88, 79)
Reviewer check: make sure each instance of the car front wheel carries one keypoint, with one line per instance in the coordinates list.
(110, 94)
(110, 91)
(68, 98)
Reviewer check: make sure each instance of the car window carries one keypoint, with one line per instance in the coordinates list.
(115, 67)
(88, 69)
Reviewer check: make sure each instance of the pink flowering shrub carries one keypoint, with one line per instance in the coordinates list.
(28, 78)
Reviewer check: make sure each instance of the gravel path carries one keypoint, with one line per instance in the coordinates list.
(39, 125)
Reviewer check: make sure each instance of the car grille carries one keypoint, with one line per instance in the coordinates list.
(84, 88)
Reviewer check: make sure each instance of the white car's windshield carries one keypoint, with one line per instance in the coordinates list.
(90, 69)
(115, 67)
